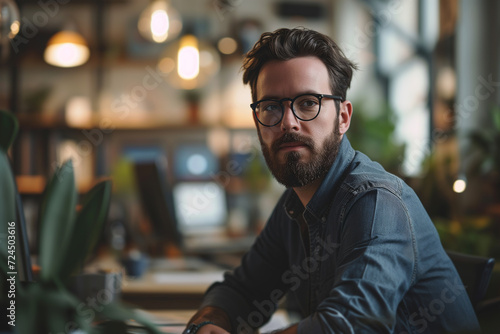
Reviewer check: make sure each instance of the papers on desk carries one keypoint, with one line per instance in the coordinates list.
(188, 277)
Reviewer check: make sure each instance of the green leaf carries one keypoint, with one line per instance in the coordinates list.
(8, 129)
(49, 308)
(7, 205)
(496, 117)
(88, 227)
(28, 316)
(57, 220)
(60, 311)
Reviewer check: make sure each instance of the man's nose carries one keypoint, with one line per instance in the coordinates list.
(289, 121)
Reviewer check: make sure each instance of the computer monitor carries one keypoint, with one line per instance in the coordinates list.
(200, 207)
(187, 211)
(156, 199)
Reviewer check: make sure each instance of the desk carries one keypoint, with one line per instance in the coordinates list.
(177, 290)
(279, 319)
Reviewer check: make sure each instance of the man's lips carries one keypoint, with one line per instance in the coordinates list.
(292, 145)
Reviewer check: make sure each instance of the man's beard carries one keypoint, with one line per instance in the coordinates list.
(296, 173)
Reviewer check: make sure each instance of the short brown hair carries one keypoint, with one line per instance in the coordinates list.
(284, 44)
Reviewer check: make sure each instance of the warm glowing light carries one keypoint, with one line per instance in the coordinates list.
(188, 58)
(159, 25)
(66, 49)
(189, 63)
(459, 186)
(78, 111)
(159, 22)
(9, 21)
(227, 45)
(14, 29)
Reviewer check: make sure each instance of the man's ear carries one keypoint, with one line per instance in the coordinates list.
(345, 115)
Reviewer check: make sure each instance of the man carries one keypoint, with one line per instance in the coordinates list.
(348, 241)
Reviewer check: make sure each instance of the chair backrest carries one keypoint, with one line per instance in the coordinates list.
(475, 272)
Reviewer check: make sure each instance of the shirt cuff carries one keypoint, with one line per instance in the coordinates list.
(231, 302)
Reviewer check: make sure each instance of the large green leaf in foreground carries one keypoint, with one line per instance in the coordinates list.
(88, 227)
(57, 219)
(8, 129)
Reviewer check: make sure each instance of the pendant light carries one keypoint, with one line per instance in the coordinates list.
(66, 48)
(189, 63)
(159, 22)
(9, 24)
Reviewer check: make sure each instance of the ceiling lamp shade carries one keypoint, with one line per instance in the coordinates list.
(159, 22)
(66, 49)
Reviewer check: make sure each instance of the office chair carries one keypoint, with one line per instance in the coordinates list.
(475, 272)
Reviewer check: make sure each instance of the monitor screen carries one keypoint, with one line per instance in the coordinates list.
(200, 206)
(195, 162)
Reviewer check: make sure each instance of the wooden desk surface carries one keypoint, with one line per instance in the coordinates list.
(169, 290)
(280, 318)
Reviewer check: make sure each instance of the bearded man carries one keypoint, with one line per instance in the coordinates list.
(348, 241)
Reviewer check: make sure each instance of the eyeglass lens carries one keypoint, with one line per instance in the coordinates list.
(305, 107)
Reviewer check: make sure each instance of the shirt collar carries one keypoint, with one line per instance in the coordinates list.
(321, 200)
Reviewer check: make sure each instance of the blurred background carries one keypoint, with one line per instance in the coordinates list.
(150, 94)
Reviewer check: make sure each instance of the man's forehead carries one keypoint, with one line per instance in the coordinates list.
(297, 75)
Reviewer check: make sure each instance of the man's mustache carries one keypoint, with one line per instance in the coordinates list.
(290, 138)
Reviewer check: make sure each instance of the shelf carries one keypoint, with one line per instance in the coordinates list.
(35, 184)
(29, 121)
(31, 184)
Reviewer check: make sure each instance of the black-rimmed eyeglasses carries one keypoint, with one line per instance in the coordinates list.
(305, 107)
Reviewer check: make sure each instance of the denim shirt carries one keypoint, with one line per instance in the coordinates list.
(362, 257)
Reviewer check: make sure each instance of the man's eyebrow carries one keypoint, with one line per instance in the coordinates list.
(269, 97)
(274, 97)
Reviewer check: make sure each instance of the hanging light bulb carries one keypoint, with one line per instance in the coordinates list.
(188, 58)
(189, 63)
(9, 25)
(9, 20)
(159, 22)
(66, 49)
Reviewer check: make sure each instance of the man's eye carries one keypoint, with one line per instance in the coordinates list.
(309, 103)
(271, 107)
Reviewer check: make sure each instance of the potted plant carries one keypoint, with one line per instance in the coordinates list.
(66, 237)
